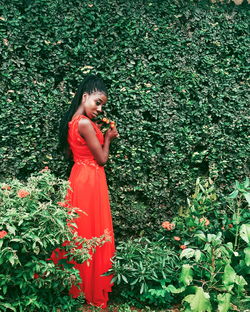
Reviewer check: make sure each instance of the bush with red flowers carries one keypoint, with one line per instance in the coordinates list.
(214, 248)
(33, 222)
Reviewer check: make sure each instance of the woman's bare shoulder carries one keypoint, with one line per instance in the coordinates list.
(85, 126)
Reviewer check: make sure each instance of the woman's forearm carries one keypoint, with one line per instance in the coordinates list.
(105, 150)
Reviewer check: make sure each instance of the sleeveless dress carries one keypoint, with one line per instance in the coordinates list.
(89, 193)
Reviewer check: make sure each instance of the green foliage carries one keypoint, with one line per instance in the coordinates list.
(177, 74)
(142, 268)
(33, 223)
(215, 256)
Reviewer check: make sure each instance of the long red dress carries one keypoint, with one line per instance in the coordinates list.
(89, 193)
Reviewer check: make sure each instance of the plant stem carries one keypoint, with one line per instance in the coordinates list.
(237, 225)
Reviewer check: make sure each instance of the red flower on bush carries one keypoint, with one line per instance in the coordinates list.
(177, 238)
(183, 246)
(62, 204)
(168, 226)
(45, 169)
(230, 226)
(6, 187)
(205, 221)
(22, 193)
(36, 276)
(3, 234)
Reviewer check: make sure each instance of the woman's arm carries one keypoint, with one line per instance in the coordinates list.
(99, 152)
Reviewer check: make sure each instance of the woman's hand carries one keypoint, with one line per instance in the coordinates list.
(111, 133)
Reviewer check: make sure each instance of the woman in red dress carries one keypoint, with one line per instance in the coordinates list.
(80, 136)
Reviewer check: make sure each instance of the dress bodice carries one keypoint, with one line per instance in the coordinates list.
(77, 144)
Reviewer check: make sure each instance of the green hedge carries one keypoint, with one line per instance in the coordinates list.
(177, 74)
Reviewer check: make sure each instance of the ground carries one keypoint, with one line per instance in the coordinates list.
(124, 308)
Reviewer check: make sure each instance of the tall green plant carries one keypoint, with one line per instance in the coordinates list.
(215, 253)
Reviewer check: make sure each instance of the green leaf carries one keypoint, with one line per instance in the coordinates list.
(8, 305)
(199, 302)
(228, 277)
(174, 290)
(125, 279)
(12, 259)
(187, 253)
(246, 183)
(234, 194)
(142, 288)
(197, 255)
(241, 282)
(247, 197)
(134, 282)
(224, 302)
(186, 276)
(114, 279)
(201, 236)
(247, 256)
(245, 232)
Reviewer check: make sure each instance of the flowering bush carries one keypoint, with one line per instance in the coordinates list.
(32, 225)
(215, 249)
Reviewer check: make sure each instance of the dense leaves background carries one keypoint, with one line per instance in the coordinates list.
(178, 80)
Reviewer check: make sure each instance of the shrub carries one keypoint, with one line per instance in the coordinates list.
(33, 223)
(141, 267)
(215, 249)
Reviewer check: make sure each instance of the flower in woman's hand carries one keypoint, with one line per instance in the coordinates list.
(112, 124)
(104, 119)
(109, 122)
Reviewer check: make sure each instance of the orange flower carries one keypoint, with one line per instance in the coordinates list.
(205, 221)
(168, 226)
(22, 193)
(3, 234)
(45, 169)
(230, 226)
(6, 187)
(177, 238)
(183, 246)
(104, 119)
(62, 204)
(112, 124)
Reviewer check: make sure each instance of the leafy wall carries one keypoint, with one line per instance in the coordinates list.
(178, 79)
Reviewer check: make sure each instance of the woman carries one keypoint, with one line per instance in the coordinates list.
(82, 138)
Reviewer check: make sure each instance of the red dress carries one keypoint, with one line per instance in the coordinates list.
(89, 192)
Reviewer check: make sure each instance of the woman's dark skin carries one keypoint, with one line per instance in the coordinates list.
(91, 106)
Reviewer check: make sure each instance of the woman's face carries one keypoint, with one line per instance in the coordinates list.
(92, 103)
